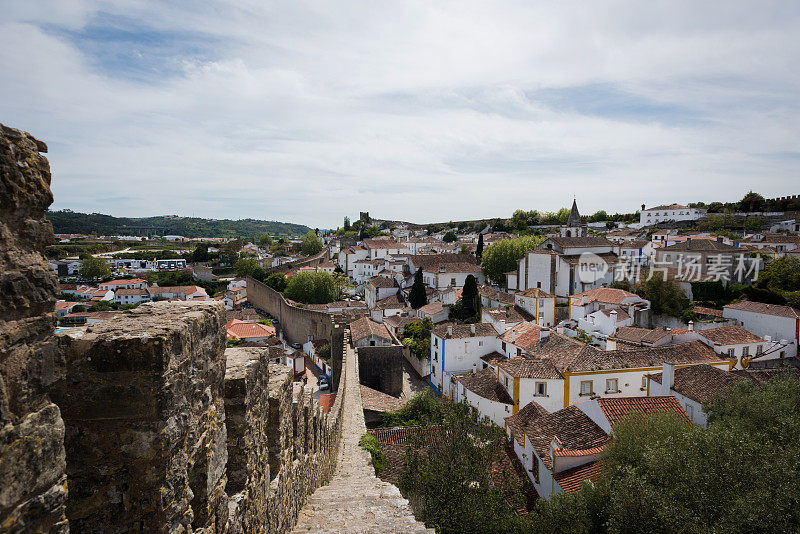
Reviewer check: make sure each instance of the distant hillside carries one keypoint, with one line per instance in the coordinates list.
(70, 222)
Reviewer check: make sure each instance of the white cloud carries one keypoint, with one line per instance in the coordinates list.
(425, 111)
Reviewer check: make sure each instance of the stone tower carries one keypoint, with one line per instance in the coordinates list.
(574, 228)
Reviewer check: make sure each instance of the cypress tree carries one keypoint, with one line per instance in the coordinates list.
(417, 297)
(470, 298)
(479, 250)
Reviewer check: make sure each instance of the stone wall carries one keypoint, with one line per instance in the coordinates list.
(32, 467)
(381, 368)
(278, 438)
(299, 324)
(143, 406)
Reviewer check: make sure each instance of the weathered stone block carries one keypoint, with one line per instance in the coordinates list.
(143, 405)
(32, 489)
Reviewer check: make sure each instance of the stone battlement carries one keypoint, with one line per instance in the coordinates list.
(146, 422)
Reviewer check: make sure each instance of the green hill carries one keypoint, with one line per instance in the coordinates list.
(70, 222)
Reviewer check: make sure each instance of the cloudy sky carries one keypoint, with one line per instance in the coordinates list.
(424, 111)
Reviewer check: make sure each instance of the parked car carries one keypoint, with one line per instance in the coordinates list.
(296, 346)
(323, 384)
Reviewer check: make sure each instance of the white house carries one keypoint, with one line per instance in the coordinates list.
(772, 322)
(178, 292)
(367, 333)
(636, 252)
(383, 248)
(695, 385)
(792, 226)
(604, 309)
(482, 391)
(442, 271)
(671, 212)
(131, 296)
(379, 288)
(540, 304)
(562, 266)
(133, 283)
(560, 450)
(454, 350)
(65, 267)
(735, 343)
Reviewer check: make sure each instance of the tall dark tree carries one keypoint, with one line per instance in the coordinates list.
(470, 298)
(479, 250)
(417, 297)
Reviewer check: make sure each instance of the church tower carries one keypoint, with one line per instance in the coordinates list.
(574, 228)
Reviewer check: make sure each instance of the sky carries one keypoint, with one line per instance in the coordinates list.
(423, 111)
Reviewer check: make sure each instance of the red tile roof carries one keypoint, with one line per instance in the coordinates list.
(365, 327)
(326, 401)
(730, 335)
(571, 480)
(523, 335)
(377, 401)
(530, 368)
(245, 329)
(616, 409)
(767, 309)
(605, 294)
(484, 383)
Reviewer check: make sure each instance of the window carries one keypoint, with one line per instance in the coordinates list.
(480, 343)
(453, 282)
(745, 351)
(436, 342)
(539, 285)
(372, 343)
(505, 381)
(730, 353)
(644, 383)
(504, 346)
(436, 356)
(759, 349)
(611, 385)
(541, 389)
(586, 387)
(689, 410)
(519, 351)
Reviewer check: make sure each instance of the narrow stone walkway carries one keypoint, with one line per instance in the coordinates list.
(356, 500)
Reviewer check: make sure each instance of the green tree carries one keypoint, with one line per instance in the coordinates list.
(276, 281)
(346, 226)
(249, 267)
(754, 224)
(94, 268)
(450, 480)
(311, 244)
(503, 256)
(470, 299)
(666, 296)
(479, 249)
(599, 216)
(449, 237)
(663, 475)
(312, 288)
(781, 274)
(417, 337)
(417, 297)
(752, 202)
(265, 240)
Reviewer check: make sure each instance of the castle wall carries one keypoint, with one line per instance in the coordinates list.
(32, 462)
(142, 402)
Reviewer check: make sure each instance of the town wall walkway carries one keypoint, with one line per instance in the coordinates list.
(356, 500)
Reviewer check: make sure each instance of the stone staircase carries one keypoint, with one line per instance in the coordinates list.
(356, 500)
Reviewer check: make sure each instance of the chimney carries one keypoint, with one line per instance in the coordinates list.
(450, 331)
(544, 333)
(691, 326)
(502, 325)
(642, 207)
(613, 315)
(472, 329)
(560, 329)
(474, 368)
(668, 375)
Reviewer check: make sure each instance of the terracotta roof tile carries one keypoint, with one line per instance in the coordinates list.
(530, 368)
(767, 309)
(616, 409)
(365, 327)
(730, 335)
(571, 480)
(485, 384)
